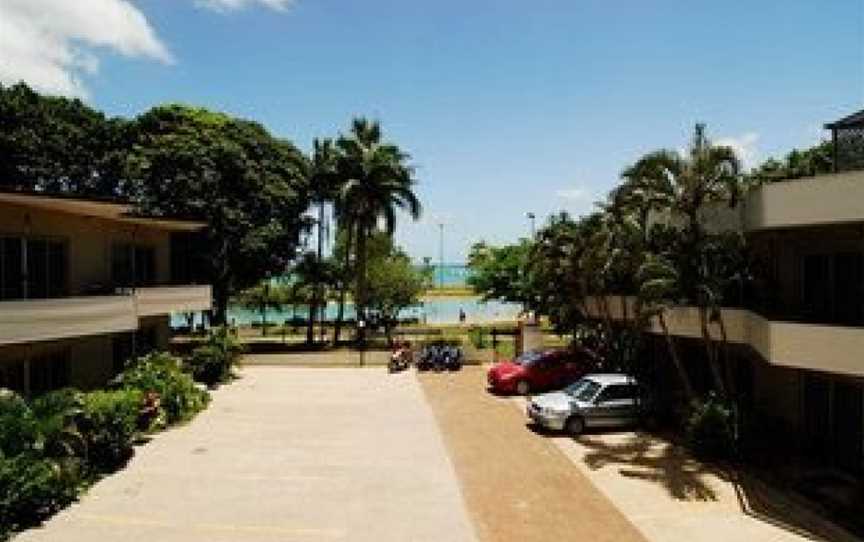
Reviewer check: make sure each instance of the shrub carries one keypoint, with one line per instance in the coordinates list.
(33, 488)
(19, 432)
(711, 430)
(58, 414)
(109, 423)
(160, 373)
(212, 362)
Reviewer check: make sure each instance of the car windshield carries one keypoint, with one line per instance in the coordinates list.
(528, 357)
(583, 390)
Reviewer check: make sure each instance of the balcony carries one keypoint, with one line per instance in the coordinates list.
(827, 199)
(33, 320)
(164, 300)
(835, 349)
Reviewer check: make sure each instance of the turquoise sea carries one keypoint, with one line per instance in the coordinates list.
(433, 311)
(443, 310)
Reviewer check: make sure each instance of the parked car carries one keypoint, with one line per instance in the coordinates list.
(536, 370)
(596, 400)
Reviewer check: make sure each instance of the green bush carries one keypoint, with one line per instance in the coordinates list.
(58, 414)
(212, 362)
(19, 432)
(109, 424)
(33, 488)
(160, 373)
(711, 432)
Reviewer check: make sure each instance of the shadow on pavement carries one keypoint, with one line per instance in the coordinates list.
(645, 457)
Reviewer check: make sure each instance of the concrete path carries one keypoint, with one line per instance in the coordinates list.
(287, 455)
(670, 497)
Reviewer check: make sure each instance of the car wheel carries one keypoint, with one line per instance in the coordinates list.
(575, 426)
(523, 387)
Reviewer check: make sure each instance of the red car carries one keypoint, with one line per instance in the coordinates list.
(536, 370)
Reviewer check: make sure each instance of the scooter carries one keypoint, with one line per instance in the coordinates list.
(400, 359)
(453, 358)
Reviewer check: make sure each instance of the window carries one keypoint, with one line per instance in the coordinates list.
(133, 265)
(11, 268)
(13, 376)
(46, 269)
(32, 268)
(618, 392)
(49, 372)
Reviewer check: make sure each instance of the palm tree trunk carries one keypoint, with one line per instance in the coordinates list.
(263, 310)
(676, 361)
(343, 287)
(711, 352)
(319, 294)
(360, 299)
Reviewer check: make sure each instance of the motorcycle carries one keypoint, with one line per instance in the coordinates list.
(400, 359)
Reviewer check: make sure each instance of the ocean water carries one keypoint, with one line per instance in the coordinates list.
(450, 274)
(434, 311)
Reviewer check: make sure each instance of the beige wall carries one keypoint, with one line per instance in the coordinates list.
(89, 242)
(834, 349)
(91, 359)
(826, 199)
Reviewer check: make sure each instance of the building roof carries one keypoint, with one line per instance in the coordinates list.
(855, 119)
(93, 208)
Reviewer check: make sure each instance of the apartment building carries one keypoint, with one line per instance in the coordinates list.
(797, 353)
(85, 285)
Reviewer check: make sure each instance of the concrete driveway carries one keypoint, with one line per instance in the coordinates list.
(284, 454)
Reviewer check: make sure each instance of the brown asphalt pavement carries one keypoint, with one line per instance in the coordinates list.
(517, 484)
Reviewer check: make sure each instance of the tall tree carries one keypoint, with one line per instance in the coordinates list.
(376, 182)
(58, 144)
(683, 186)
(247, 185)
(323, 182)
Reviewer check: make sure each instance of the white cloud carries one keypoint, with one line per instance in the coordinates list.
(50, 44)
(745, 147)
(233, 5)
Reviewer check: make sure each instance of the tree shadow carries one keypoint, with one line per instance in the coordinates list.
(645, 457)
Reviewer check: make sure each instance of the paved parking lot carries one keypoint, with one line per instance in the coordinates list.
(285, 454)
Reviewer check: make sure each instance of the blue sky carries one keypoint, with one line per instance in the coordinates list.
(506, 106)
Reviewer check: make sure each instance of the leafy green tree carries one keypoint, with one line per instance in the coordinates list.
(500, 272)
(394, 284)
(247, 185)
(58, 144)
(376, 182)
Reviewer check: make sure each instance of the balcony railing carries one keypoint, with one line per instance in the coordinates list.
(159, 300)
(51, 319)
(817, 347)
(31, 320)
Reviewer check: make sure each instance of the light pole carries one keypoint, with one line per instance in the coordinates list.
(441, 257)
(532, 217)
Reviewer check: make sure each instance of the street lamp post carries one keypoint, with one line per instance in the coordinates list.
(532, 217)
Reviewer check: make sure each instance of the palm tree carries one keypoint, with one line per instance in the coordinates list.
(682, 186)
(376, 183)
(322, 179)
(658, 291)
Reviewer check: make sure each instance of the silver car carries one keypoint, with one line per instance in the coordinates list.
(596, 400)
